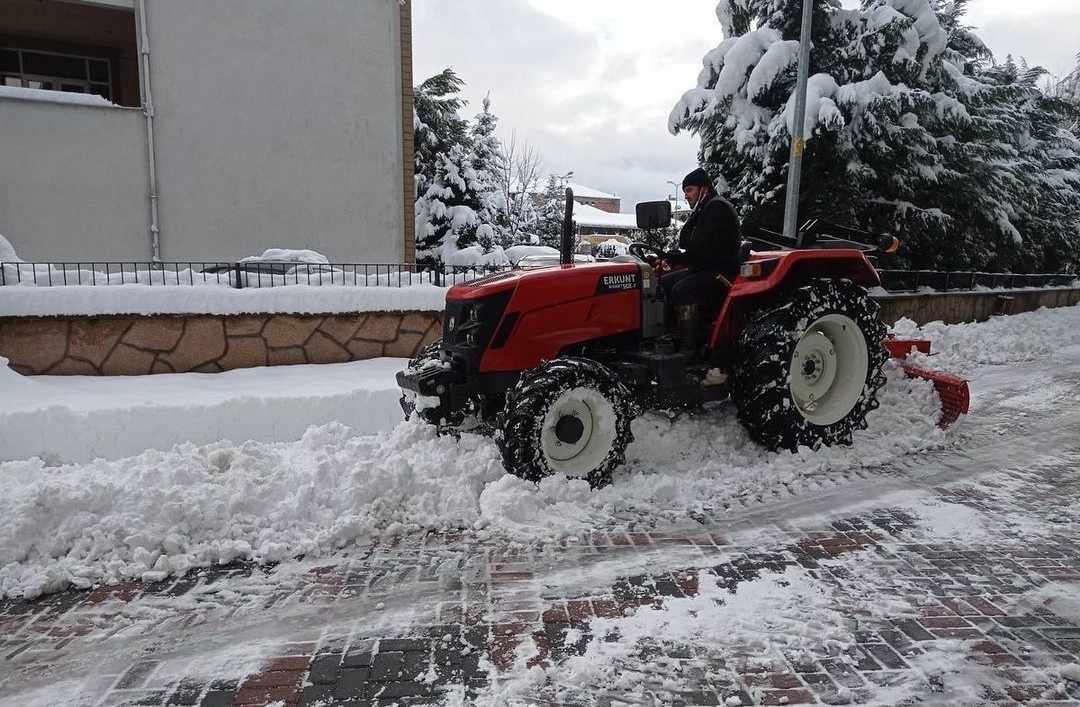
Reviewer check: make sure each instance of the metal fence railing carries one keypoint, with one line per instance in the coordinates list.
(940, 281)
(275, 274)
(237, 275)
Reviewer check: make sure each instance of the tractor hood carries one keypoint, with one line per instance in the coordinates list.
(513, 320)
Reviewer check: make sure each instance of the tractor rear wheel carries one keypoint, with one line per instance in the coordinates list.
(809, 367)
(566, 416)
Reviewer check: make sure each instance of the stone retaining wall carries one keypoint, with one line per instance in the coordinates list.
(956, 307)
(138, 345)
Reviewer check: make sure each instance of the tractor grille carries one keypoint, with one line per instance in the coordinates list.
(468, 326)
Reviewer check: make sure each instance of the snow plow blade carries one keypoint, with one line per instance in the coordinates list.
(952, 390)
(900, 348)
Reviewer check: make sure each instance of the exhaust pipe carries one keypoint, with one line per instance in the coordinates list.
(566, 251)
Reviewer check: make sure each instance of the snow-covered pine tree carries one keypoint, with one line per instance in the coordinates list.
(446, 213)
(1068, 89)
(550, 213)
(488, 164)
(436, 123)
(908, 127)
(1043, 168)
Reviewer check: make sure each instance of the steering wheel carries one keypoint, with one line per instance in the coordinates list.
(641, 251)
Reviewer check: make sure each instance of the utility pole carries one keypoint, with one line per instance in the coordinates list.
(791, 206)
(674, 195)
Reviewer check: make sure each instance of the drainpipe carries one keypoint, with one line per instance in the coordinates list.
(148, 110)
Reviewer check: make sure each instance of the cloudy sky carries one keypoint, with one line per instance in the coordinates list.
(590, 83)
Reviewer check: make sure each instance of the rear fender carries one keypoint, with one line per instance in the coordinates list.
(792, 269)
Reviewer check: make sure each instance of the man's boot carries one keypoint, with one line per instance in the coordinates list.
(687, 314)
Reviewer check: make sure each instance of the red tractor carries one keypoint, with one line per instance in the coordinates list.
(556, 361)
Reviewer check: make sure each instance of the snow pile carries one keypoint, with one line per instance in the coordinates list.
(286, 255)
(960, 348)
(163, 511)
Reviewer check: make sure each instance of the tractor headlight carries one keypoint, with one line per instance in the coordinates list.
(750, 269)
(758, 268)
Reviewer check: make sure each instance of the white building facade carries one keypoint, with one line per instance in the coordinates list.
(225, 128)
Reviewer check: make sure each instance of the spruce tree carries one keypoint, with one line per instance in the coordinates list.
(488, 163)
(446, 213)
(910, 127)
(550, 213)
(437, 125)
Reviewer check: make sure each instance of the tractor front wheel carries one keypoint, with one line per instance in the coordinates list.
(428, 355)
(566, 416)
(809, 368)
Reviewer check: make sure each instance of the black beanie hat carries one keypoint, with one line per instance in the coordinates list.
(697, 178)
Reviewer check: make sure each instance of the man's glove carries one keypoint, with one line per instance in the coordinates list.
(674, 257)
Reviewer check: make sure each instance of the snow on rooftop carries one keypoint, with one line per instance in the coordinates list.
(585, 192)
(586, 216)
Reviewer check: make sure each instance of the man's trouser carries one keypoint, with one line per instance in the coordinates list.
(689, 293)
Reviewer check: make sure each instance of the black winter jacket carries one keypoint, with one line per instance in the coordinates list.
(710, 239)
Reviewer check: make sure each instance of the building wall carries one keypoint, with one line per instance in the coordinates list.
(73, 184)
(611, 206)
(277, 123)
(408, 177)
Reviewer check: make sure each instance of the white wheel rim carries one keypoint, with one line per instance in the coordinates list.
(590, 418)
(828, 369)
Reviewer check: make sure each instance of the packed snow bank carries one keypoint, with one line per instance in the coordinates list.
(66, 419)
(216, 299)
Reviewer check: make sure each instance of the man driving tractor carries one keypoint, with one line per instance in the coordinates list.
(709, 248)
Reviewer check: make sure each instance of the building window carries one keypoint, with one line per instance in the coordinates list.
(56, 72)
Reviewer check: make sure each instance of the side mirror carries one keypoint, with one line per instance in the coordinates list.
(653, 215)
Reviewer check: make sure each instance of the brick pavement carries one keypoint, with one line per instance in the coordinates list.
(458, 619)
